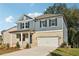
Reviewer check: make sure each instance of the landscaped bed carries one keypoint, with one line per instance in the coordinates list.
(5, 50)
(65, 52)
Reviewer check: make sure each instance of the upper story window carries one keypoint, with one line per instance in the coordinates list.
(18, 25)
(53, 22)
(27, 25)
(21, 25)
(43, 23)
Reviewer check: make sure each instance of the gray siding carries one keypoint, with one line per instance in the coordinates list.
(58, 27)
(36, 25)
(31, 25)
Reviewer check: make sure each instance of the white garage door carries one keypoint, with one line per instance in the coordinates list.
(48, 41)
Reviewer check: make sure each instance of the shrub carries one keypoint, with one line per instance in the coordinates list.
(17, 45)
(27, 46)
(8, 45)
(0, 43)
(63, 45)
(2, 46)
(55, 54)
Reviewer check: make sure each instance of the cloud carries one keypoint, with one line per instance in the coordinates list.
(44, 9)
(35, 14)
(9, 19)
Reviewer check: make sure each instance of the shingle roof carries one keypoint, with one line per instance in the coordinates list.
(47, 15)
(9, 29)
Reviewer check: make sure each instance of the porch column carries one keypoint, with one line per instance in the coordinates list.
(21, 41)
(29, 37)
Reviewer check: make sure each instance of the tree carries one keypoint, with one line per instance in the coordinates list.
(76, 40)
(56, 9)
(71, 15)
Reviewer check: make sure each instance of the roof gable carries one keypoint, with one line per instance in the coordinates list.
(24, 17)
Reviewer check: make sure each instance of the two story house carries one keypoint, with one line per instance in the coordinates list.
(44, 30)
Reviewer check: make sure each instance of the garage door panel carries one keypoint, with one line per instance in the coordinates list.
(48, 41)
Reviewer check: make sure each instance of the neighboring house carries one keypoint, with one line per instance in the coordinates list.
(1, 40)
(44, 30)
(8, 37)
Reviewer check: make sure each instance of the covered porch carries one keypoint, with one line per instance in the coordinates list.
(23, 37)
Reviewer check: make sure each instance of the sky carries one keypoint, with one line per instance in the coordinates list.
(11, 12)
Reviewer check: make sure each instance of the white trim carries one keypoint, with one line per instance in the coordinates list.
(62, 23)
(29, 36)
(49, 31)
(21, 40)
(24, 21)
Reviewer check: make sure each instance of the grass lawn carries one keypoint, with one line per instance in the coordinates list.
(65, 52)
(3, 51)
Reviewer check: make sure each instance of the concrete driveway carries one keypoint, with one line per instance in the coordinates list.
(37, 51)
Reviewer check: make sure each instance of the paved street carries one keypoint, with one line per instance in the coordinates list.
(37, 51)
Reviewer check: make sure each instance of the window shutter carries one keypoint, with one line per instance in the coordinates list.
(28, 24)
(56, 22)
(40, 23)
(49, 22)
(45, 23)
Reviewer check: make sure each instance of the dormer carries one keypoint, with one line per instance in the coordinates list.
(24, 22)
(24, 17)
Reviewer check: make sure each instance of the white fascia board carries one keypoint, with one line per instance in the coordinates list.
(25, 20)
(50, 31)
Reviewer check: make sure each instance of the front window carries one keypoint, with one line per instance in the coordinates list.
(27, 25)
(18, 36)
(25, 35)
(21, 25)
(18, 25)
(53, 22)
(43, 23)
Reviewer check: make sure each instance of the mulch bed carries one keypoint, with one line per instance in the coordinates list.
(8, 50)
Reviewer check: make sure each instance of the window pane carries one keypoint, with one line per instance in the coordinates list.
(27, 25)
(26, 35)
(49, 22)
(43, 23)
(21, 25)
(23, 37)
(18, 36)
(53, 22)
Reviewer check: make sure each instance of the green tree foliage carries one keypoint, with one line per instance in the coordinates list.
(56, 9)
(76, 40)
(71, 15)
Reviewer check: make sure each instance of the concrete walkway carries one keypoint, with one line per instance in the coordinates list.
(37, 51)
